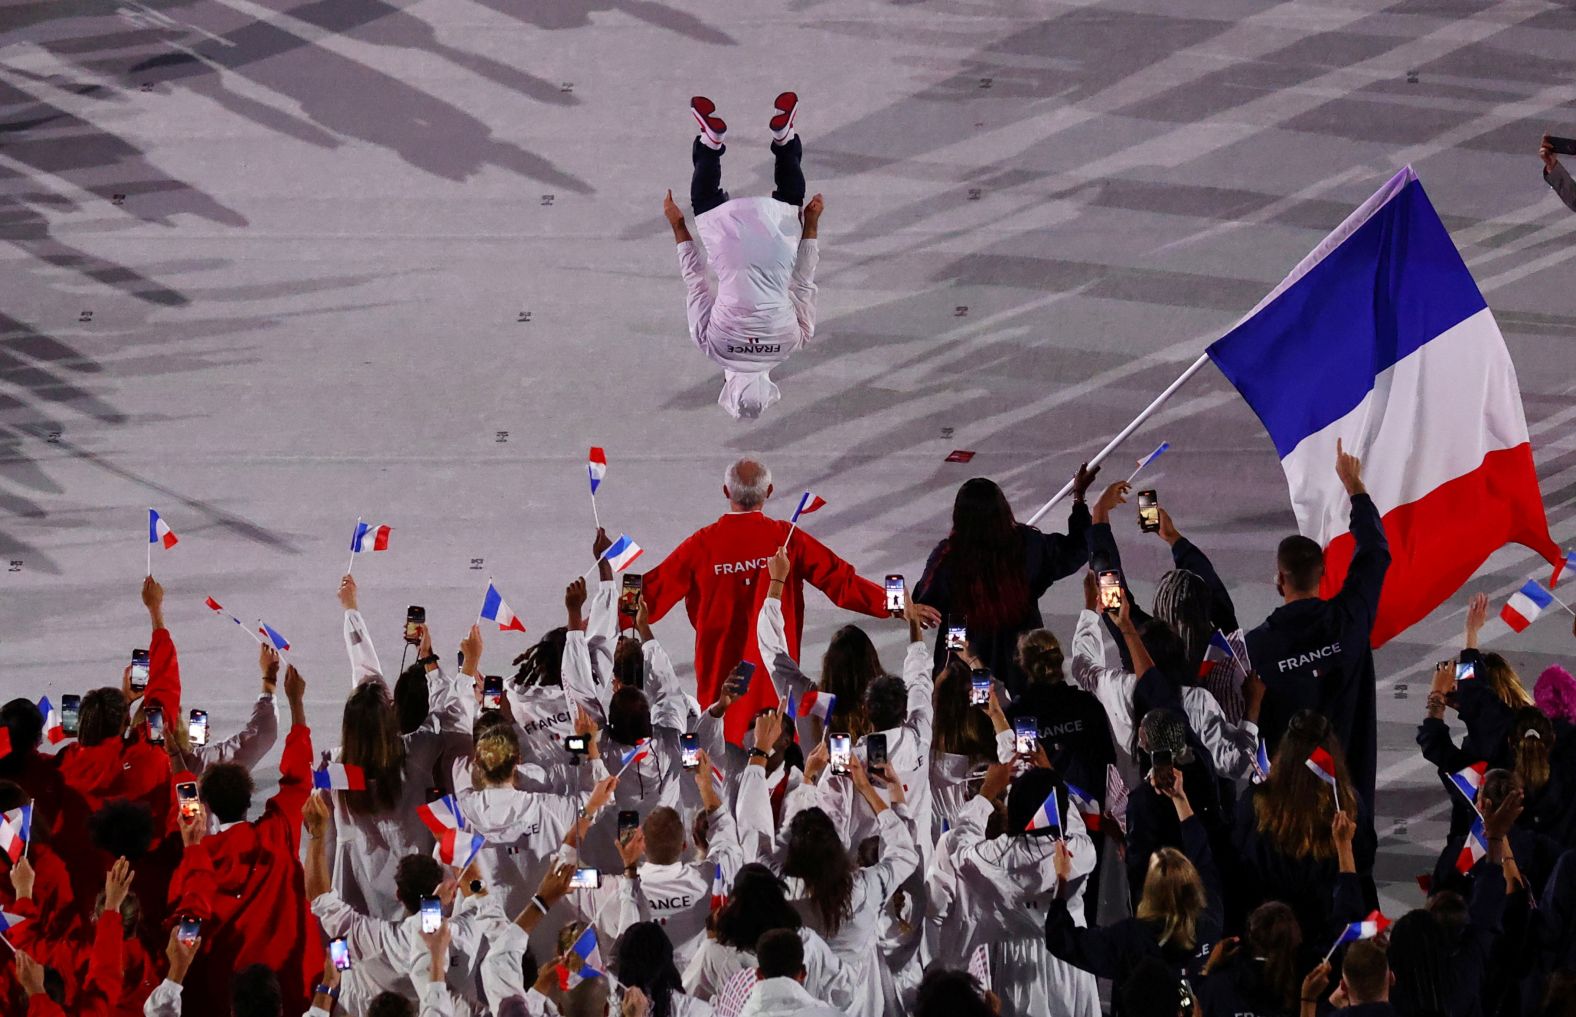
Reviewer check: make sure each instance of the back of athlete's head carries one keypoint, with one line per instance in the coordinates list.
(780, 954)
(747, 483)
(227, 791)
(588, 999)
(254, 992)
(886, 702)
(1152, 989)
(664, 830)
(946, 992)
(103, 715)
(1366, 973)
(122, 829)
(416, 876)
(1299, 565)
(390, 1004)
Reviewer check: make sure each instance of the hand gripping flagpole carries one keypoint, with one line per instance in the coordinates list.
(1138, 421)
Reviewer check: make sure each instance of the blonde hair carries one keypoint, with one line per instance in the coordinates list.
(495, 755)
(1505, 682)
(1173, 897)
(1040, 655)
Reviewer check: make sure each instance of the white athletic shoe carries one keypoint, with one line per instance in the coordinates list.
(787, 106)
(712, 127)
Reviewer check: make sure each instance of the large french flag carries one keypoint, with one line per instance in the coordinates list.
(1380, 337)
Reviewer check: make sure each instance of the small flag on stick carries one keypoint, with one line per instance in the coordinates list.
(159, 532)
(495, 610)
(1151, 457)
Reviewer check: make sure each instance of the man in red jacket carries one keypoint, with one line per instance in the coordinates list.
(719, 572)
(245, 882)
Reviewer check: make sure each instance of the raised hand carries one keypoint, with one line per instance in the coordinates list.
(117, 884)
(1477, 616)
(671, 210)
(1083, 480)
(347, 592)
(1350, 469)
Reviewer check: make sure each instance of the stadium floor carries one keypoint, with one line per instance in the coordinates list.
(270, 266)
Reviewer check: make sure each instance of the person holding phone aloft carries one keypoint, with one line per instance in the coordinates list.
(1556, 175)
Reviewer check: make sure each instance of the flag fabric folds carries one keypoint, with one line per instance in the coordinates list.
(1048, 816)
(596, 467)
(54, 730)
(370, 537)
(1470, 781)
(279, 642)
(1474, 848)
(339, 777)
(817, 704)
(495, 610)
(159, 531)
(1381, 338)
(1525, 605)
(622, 553)
(808, 502)
(1081, 802)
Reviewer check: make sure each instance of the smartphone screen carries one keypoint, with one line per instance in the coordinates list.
(629, 594)
(576, 744)
(1563, 146)
(431, 914)
(628, 822)
(1164, 769)
(1148, 512)
(415, 617)
(1466, 671)
(744, 672)
(191, 928)
(492, 692)
(186, 795)
(876, 750)
(139, 670)
(156, 726)
(840, 750)
(1026, 734)
(197, 727)
(70, 715)
(339, 953)
(689, 750)
(957, 638)
(895, 598)
(979, 688)
(1110, 590)
(585, 879)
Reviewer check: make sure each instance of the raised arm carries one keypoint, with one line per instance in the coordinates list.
(815, 563)
(164, 666)
(1186, 555)
(295, 765)
(670, 581)
(1359, 595)
(801, 285)
(364, 664)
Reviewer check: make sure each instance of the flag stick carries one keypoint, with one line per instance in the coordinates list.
(595, 515)
(353, 547)
(7, 942)
(1123, 435)
(793, 526)
(1330, 952)
(1562, 603)
(150, 542)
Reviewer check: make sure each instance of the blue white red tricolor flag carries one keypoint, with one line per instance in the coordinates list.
(271, 634)
(1381, 337)
(1261, 762)
(159, 531)
(1048, 816)
(495, 610)
(1475, 847)
(1151, 457)
(979, 965)
(1083, 803)
(370, 537)
(339, 777)
(1524, 606)
(1323, 766)
(1368, 928)
(16, 829)
(584, 960)
(458, 848)
(640, 750)
(54, 730)
(9, 921)
(719, 888)
(596, 467)
(817, 704)
(808, 502)
(1567, 562)
(1470, 781)
(441, 815)
(621, 554)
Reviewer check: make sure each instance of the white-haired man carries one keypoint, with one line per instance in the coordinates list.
(719, 571)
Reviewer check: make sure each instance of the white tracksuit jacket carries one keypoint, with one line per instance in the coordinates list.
(762, 307)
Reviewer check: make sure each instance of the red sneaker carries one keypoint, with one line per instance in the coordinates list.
(712, 127)
(787, 106)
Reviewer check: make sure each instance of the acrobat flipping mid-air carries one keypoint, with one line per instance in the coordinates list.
(763, 251)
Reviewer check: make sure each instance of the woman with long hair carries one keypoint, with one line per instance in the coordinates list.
(1294, 844)
(645, 962)
(988, 574)
(1259, 973)
(758, 903)
(965, 740)
(844, 902)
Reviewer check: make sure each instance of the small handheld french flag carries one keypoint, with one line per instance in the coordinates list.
(495, 610)
(369, 537)
(9, 921)
(271, 634)
(1081, 802)
(16, 828)
(1475, 847)
(339, 777)
(1151, 457)
(596, 467)
(159, 531)
(621, 554)
(817, 704)
(1525, 605)
(808, 502)
(1047, 817)
(719, 888)
(1323, 766)
(1368, 928)
(588, 954)
(640, 750)
(1470, 781)
(458, 848)
(53, 729)
(441, 815)
(1261, 762)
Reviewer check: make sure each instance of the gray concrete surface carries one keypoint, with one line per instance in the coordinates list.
(265, 266)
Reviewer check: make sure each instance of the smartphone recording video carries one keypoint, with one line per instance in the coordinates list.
(1026, 735)
(186, 795)
(339, 953)
(896, 596)
(840, 750)
(585, 879)
(139, 670)
(876, 750)
(628, 823)
(415, 617)
(689, 750)
(957, 638)
(190, 929)
(629, 594)
(1111, 591)
(197, 727)
(156, 726)
(70, 715)
(492, 692)
(1562, 146)
(979, 687)
(1163, 769)
(744, 672)
(1466, 671)
(577, 745)
(431, 914)
(1148, 512)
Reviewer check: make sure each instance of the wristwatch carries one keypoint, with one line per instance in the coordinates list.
(431, 658)
(759, 753)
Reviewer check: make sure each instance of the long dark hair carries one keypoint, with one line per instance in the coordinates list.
(757, 903)
(1293, 807)
(983, 556)
(1274, 934)
(1419, 953)
(369, 737)
(542, 664)
(817, 857)
(645, 962)
(848, 667)
(959, 729)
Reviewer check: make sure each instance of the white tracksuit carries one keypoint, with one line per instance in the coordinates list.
(1231, 747)
(993, 892)
(826, 977)
(785, 997)
(762, 308)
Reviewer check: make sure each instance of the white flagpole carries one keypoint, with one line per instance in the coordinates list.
(595, 515)
(791, 528)
(1122, 435)
(353, 547)
(1561, 603)
(150, 540)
